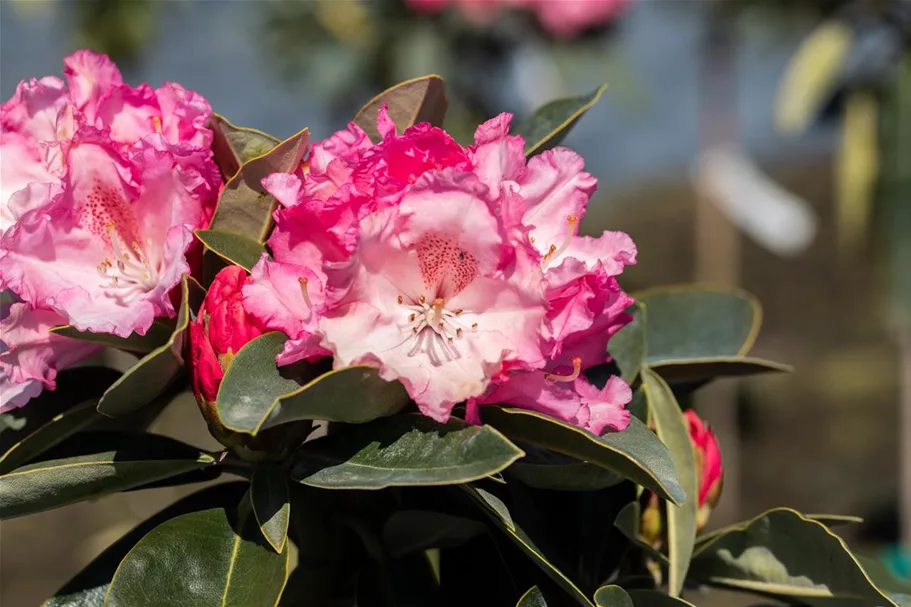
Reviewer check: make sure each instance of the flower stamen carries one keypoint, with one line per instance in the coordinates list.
(553, 252)
(304, 291)
(577, 369)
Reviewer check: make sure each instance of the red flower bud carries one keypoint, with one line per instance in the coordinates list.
(222, 327)
(708, 465)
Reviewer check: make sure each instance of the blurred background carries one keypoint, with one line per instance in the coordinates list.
(763, 144)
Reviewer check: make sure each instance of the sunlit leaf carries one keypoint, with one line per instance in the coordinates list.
(244, 207)
(673, 430)
(403, 450)
(418, 100)
(550, 123)
(233, 248)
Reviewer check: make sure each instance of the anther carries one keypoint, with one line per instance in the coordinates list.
(411, 317)
(303, 284)
(401, 299)
(474, 326)
(577, 368)
(422, 299)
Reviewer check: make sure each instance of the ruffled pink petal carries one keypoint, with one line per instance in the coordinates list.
(31, 197)
(496, 155)
(90, 76)
(183, 116)
(130, 113)
(21, 164)
(348, 145)
(384, 123)
(614, 250)
(289, 298)
(556, 190)
(14, 395)
(31, 356)
(605, 408)
(32, 111)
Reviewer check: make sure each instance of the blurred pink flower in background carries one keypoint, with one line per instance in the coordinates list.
(561, 18)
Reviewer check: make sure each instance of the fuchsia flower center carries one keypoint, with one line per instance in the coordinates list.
(446, 269)
(128, 271)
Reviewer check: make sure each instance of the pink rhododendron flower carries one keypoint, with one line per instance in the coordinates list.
(102, 186)
(31, 356)
(562, 18)
(456, 271)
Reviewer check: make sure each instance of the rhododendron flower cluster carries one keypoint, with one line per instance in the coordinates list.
(457, 271)
(562, 18)
(102, 186)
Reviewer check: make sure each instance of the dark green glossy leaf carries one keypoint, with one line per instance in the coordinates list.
(201, 558)
(673, 430)
(233, 248)
(615, 596)
(533, 598)
(612, 596)
(145, 458)
(271, 504)
(785, 555)
(254, 396)
(404, 450)
(244, 207)
(829, 520)
(89, 587)
(494, 508)
(629, 521)
(636, 453)
(627, 346)
(74, 386)
(575, 476)
(413, 531)
(695, 369)
(550, 123)
(232, 146)
(52, 433)
(157, 335)
(149, 377)
(418, 100)
(897, 590)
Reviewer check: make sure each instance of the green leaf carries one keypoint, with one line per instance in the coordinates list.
(52, 433)
(612, 596)
(89, 587)
(636, 453)
(829, 520)
(149, 377)
(615, 596)
(550, 123)
(232, 146)
(271, 504)
(413, 531)
(629, 521)
(695, 333)
(494, 508)
(201, 558)
(233, 248)
(144, 459)
(574, 476)
(418, 100)
(533, 598)
(253, 395)
(786, 555)
(627, 346)
(897, 590)
(244, 207)
(673, 430)
(157, 335)
(404, 450)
